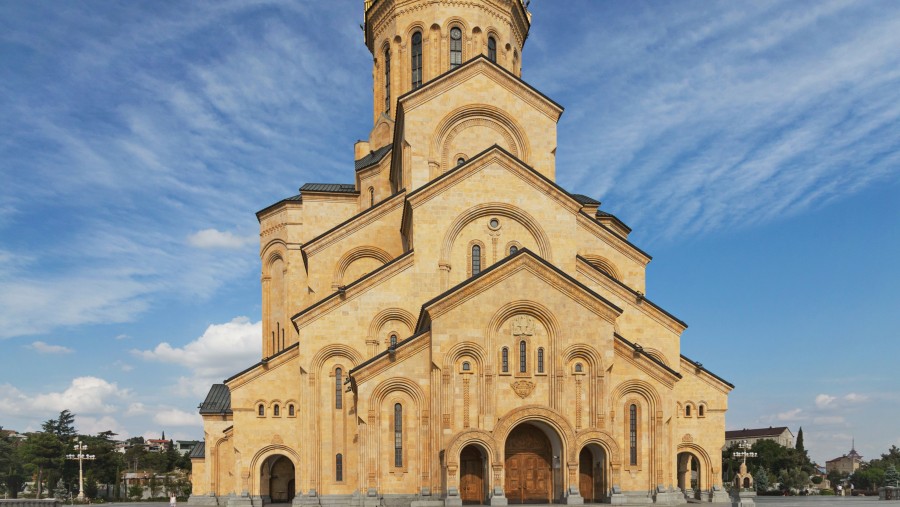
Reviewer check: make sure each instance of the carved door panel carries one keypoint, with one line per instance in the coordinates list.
(528, 474)
(471, 476)
(586, 475)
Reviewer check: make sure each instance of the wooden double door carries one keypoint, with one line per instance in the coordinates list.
(529, 476)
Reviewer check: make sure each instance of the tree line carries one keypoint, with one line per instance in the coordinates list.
(41, 458)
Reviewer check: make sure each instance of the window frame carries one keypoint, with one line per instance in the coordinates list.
(492, 51)
(387, 79)
(338, 388)
(417, 64)
(539, 361)
(504, 361)
(399, 458)
(339, 467)
(455, 47)
(633, 440)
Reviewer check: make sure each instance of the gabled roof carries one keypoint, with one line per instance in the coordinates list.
(372, 158)
(699, 366)
(587, 201)
(331, 188)
(482, 58)
(199, 451)
(522, 253)
(264, 361)
(756, 432)
(218, 400)
(294, 198)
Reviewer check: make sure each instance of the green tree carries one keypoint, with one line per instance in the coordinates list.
(867, 478)
(793, 479)
(136, 491)
(44, 453)
(761, 479)
(834, 478)
(171, 457)
(12, 469)
(154, 486)
(891, 477)
(90, 486)
(799, 445)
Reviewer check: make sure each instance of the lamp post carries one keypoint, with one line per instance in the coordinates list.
(744, 453)
(81, 457)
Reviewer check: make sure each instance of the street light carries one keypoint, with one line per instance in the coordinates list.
(744, 453)
(81, 457)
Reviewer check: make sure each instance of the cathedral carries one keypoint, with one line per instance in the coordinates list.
(451, 326)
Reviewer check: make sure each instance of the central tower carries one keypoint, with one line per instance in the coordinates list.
(414, 41)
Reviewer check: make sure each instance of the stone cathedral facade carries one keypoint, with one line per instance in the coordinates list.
(452, 326)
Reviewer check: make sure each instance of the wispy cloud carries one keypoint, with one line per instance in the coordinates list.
(212, 238)
(730, 115)
(45, 348)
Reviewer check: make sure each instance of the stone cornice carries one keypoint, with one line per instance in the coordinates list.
(523, 260)
(481, 65)
(352, 225)
(384, 362)
(612, 239)
(353, 290)
(644, 363)
(633, 299)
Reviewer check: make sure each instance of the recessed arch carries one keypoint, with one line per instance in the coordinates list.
(603, 264)
(497, 209)
(485, 115)
(388, 314)
(546, 415)
(335, 350)
(353, 255)
(706, 477)
(260, 458)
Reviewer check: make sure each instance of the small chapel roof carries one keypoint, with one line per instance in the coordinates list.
(372, 158)
(218, 400)
(199, 451)
(337, 188)
(587, 201)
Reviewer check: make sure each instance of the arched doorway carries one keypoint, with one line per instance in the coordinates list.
(592, 473)
(529, 473)
(689, 474)
(277, 479)
(472, 485)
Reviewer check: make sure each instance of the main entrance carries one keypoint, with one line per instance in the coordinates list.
(529, 478)
(277, 479)
(471, 475)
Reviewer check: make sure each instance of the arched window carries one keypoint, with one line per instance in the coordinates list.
(579, 368)
(290, 411)
(416, 63)
(540, 360)
(339, 467)
(276, 411)
(371, 196)
(466, 366)
(460, 161)
(700, 411)
(398, 435)
(387, 80)
(476, 259)
(338, 388)
(492, 49)
(455, 47)
(632, 434)
(515, 61)
(504, 360)
(261, 410)
(513, 249)
(687, 411)
(523, 356)
(393, 341)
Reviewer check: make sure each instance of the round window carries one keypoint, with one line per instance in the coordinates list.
(455, 33)
(494, 223)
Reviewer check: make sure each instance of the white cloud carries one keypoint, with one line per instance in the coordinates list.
(92, 425)
(824, 400)
(212, 238)
(222, 350)
(175, 417)
(829, 419)
(136, 408)
(45, 348)
(856, 398)
(85, 395)
(791, 415)
(122, 337)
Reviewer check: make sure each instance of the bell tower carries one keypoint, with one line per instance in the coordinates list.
(414, 41)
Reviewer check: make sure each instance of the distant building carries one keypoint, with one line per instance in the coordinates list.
(848, 463)
(185, 446)
(157, 445)
(780, 434)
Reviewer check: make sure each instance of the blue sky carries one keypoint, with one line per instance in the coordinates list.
(754, 148)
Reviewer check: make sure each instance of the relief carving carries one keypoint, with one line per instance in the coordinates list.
(687, 438)
(523, 388)
(522, 325)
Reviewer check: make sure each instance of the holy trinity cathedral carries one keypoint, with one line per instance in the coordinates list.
(453, 326)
